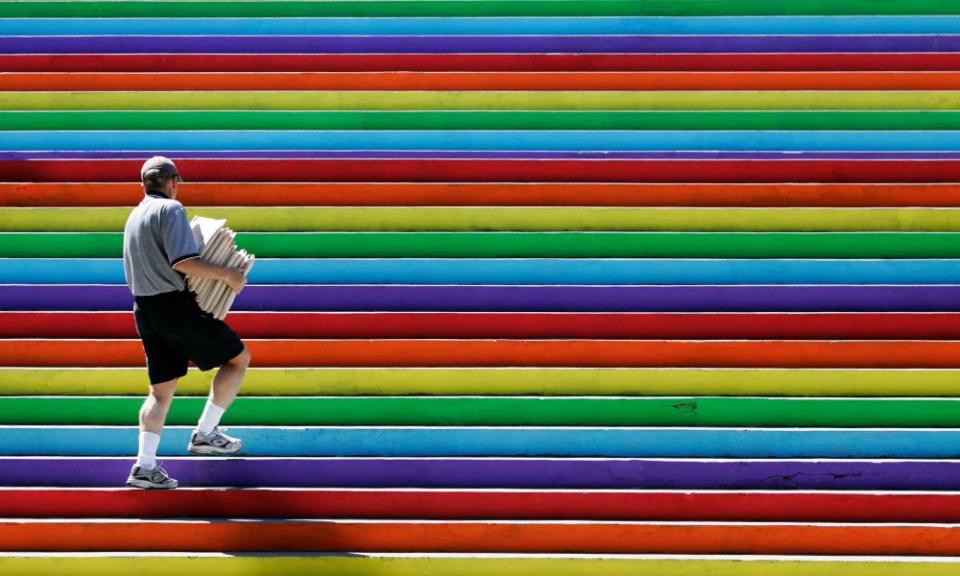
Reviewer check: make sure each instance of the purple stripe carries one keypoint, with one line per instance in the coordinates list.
(17, 155)
(494, 473)
(471, 44)
(923, 298)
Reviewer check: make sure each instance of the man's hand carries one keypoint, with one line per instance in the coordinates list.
(235, 278)
(199, 268)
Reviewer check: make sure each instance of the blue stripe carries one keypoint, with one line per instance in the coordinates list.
(521, 140)
(745, 25)
(570, 271)
(544, 441)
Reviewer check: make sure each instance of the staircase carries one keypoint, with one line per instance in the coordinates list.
(543, 287)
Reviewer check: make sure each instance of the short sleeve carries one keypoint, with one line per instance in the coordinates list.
(178, 241)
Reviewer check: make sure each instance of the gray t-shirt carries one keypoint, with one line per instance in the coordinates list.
(157, 236)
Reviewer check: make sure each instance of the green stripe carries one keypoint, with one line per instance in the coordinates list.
(399, 411)
(478, 8)
(507, 120)
(524, 245)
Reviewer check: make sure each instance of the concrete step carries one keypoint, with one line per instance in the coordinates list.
(507, 381)
(484, 504)
(482, 472)
(518, 353)
(516, 536)
(508, 416)
(440, 564)
(507, 441)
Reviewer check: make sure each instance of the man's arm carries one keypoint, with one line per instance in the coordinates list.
(199, 268)
(183, 253)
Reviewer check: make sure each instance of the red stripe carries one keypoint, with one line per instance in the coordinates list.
(431, 537)
(468, 81)
(430, 170)
(56, 194)
(521, 325)
(473, 62)
(505, 352)
(496, 505)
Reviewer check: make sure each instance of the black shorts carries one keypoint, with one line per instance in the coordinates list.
(174, 330)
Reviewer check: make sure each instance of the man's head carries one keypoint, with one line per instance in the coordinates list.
(159, 175)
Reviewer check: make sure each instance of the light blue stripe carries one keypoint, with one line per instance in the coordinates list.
(543, 441)
(561, 271)
(745, 25)
(526, 140)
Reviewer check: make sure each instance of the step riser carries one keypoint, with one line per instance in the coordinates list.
(557, 25)
(477, 44)
(472, 565)
(517, 325)
(738, 245)
(36, 194)
(472, 381)
(789, 506)
(420, 170)
(875, 61)
(512, 272)
(572, 412)
(584, 353)
(444, 442)
(483, 8)
(497, 473)
(460, 537)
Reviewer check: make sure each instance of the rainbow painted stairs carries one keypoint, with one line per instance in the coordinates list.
(543, 287)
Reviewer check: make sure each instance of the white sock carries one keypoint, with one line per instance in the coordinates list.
(210, 418)
(147, 456)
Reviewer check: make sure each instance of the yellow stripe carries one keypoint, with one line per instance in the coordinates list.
(465, 566)
(502, 381)
(291, 219)
(481, 100)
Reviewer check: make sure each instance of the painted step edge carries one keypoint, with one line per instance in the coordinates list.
(558, 504)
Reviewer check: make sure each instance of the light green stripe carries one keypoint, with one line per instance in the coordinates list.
(502, 381)
(480, 100)
(466, 565)
(532, 219)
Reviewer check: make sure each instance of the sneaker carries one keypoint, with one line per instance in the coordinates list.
(215, 442)
(156, 479)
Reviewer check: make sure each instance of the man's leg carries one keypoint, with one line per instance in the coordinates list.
(226, 385)
(153, 414)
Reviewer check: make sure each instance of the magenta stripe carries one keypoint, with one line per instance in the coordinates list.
(471, 44)
(547, 298)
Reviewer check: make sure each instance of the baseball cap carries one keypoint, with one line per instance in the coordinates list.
(159, 166)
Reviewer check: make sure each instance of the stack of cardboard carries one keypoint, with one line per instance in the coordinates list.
(217, 246)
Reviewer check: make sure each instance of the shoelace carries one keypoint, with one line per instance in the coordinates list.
(221, 431)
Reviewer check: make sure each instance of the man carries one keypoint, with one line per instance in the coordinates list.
(159, 250)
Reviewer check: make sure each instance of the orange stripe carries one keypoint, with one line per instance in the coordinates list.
(507, 194)
(480, 537)
(483, 81)
(640, 353)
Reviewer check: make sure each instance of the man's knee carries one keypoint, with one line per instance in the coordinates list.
(163, 392)
(241, 360)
